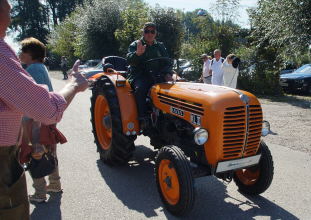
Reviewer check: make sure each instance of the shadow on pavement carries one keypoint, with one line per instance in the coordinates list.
(298, 101)
(49, 210)
(135, 186)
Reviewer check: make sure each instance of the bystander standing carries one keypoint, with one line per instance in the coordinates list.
(215, 68)
(64, 67)
(206, 76)
(230, 69)
(32, 54)
(21, 95)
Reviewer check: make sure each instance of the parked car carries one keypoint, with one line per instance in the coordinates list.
(299, 80)
(185, 67)
(89, 72)
(89, 64)
(287, 71)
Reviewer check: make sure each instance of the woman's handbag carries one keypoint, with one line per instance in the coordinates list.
(42, 167)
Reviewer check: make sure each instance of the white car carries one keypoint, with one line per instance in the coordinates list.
(89, 64)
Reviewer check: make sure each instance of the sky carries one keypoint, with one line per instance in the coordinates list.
(186, 5)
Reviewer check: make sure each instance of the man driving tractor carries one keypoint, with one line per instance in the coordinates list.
(139, 52)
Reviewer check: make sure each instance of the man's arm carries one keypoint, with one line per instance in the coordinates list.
(72, 88)
(132, 58)
(19, 90)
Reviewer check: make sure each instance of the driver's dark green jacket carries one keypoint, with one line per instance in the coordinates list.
(137, 62)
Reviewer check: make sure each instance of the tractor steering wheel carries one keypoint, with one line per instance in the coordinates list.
(158, 68)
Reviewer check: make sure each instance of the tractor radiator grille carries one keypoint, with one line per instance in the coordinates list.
(242, 130)
(181, 104)
(254, 131)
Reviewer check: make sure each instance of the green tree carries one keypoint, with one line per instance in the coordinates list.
(170, 29)
(284, 24)
(133, 17)
(60, 9)
(63, 40)
(226, 10)
(29, 19)
(97, 25)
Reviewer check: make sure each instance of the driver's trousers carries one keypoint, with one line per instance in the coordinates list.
(141, 86)
(13, 191)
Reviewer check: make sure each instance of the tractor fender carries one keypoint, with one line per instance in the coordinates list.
(127, 102)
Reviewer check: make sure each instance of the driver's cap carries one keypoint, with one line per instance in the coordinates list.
(150, 24)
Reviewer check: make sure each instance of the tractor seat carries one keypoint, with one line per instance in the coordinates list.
(118, 63)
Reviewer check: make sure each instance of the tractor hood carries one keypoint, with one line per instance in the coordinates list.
(202, 95)
(229, 115)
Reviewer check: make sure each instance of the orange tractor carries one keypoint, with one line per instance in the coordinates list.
(198, 130)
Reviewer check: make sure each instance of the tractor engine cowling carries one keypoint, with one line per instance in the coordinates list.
(233, 118)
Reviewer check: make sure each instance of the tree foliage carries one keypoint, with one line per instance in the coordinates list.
(60, 9)
(170, 29)
(36, 18)
(29, 19)
(64, 39)
(105, 27)
(133, 17)
(284, 24)
(226, 10)
(97, 24)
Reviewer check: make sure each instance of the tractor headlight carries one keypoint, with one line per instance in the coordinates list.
(200, 136)
(265, 128)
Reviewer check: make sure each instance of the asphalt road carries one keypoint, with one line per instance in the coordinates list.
(93, 190)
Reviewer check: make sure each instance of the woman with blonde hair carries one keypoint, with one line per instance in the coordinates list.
(230, 68)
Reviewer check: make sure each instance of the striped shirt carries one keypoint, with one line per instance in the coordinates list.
(20, 95)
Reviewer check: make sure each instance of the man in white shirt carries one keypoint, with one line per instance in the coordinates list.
(207, 78)
(215, 68)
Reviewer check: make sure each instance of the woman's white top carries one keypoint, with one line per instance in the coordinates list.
(230, 74)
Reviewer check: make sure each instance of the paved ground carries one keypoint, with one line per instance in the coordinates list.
(93, 190)
(290, 119)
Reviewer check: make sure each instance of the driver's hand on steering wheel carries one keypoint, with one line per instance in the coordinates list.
(168, 78)
(140, 48)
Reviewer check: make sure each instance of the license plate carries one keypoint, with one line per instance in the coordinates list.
(283, 84)
(237, 164)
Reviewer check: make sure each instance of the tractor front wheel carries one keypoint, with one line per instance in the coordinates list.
(256, 179)
(174, 180)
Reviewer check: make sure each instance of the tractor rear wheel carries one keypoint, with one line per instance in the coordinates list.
(113, 146)
(174, 180)
(256, 179)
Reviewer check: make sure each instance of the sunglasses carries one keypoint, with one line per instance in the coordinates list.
(149, 31)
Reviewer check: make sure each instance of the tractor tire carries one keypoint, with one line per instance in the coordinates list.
(113, 146)
(174, 180)
(256, 179)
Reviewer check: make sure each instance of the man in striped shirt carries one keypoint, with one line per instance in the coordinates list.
(20, 95)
